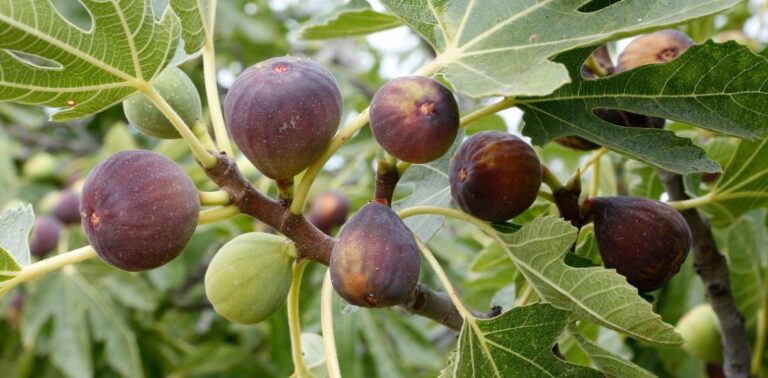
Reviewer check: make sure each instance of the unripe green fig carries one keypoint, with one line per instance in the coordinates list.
(249, 277)
(45, 235)
(282, 113)
(329, 209)
(139, 210)
(179, 91)
(375, 262)
(495, 176)
(644, 240)
(658, 47)
(414, 118)
(701, 334)
(41, 166)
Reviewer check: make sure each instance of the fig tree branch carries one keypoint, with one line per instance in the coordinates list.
(712, 267)
(312, 243)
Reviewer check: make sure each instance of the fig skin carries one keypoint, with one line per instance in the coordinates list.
(414, 118)
(67, 207)
(376, 261)
(644, 240)
(657, 47)
(701, 334)
(328, 210)
(249, 277)
(282, 113)
(179, 91)
(495, 176)
(139, 210)
(45, 235)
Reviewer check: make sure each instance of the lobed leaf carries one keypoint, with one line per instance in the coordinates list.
(594, 294)
(607, 362)
(348, 20)
(505, 51)
(517, 343)
(15, 224)
(193, 27)
(85, 71)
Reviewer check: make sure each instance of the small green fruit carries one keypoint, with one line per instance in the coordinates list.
(701, 333)
(41, 166)
(249, 278)
(177, 89)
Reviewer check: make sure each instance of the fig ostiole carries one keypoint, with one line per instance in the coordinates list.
(139, 210)
(176, 88)
(657, 47)
(376, 260)
(646, 241)
(282, 113)
(249, 277)
(414, 118)
(495, 176)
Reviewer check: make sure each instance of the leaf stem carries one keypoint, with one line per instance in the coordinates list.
(217, 214)
(550, 179)
(42, 267)
(595, 187)
(505, 103)
(211, 86)
(294, 321)
(326, 320)
(218, 197)
(596, 156)
(449, 289)
(198, 149)
(342, 137)
(546, 195)
(692, 202)
(762, 333)
(201, 132)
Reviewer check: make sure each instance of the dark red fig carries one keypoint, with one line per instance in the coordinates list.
(375, 262)
(67, 208)
(658, 47)
(45, 236)
(644, 240)
(282, 113)
(495, 176)
(414, 118)
(139, 210)
(329, 209)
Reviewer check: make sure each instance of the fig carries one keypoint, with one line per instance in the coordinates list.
(40, 166)
(376, 261)
(495, 176)
(701, 334)
(328, 210)
(45, 235)
(658, 47)
(282, 113)
(249, 277)
(644, 240)
(414, 118)
(67, 207)
(139, 210)
(179, 91)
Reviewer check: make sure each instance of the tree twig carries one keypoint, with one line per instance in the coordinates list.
(712, 267)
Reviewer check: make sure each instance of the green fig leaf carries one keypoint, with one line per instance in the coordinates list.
(607, 362)
(15, 224)
(506, 51)
(594, 294)
(517, 343)
(84, 71)
(743, 185)
(193, 27)
(348, 20)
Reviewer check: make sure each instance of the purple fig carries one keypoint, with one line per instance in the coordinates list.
(644, 240)
(45, 235)
(328, 210)
(67, 208)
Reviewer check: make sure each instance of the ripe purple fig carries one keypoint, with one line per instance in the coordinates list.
(644, 240)
(139, 210)
(495, 176)
(282, 113)
(414, 118)
(45, 235)
(67, 208)
(658, 47)
(329, 209)
(375, 262)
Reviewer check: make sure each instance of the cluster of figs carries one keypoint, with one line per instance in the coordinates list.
(139, 209)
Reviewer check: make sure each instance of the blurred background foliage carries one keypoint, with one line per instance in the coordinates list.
(93, 320)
